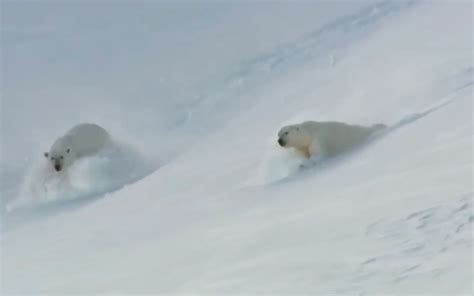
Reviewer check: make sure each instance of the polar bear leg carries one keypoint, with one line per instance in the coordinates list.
(315, 151)
(315, 154)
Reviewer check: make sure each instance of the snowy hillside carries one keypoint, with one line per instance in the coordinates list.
(197, 93)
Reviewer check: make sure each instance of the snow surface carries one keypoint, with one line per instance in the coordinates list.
(200, 90)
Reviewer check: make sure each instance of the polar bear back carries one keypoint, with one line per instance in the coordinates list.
(337, 137)
(84, 139)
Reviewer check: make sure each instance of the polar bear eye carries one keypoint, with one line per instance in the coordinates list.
(52, 158)
(61, 157)
(286, 133)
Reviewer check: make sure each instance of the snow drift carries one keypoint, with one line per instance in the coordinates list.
(87, 179)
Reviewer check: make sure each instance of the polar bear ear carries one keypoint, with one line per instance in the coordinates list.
(68, 150)
(46, 154)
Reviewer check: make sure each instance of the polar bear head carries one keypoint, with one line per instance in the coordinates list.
(59, 158)
(295, 136)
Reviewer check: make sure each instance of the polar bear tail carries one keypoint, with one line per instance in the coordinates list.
(378, 127)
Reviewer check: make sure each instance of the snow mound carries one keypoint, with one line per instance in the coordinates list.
(275, 165)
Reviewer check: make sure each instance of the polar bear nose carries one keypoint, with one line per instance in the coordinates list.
(281, 142)
(57, 167)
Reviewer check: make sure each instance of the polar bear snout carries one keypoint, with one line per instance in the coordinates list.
(281, 142)
(58, 167)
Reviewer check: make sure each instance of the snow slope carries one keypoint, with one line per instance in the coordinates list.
(230, 212)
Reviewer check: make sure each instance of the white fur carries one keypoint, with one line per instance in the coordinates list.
(322, 139)
(82, 140)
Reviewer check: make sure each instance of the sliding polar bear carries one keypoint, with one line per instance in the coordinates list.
(324, 139)
(82, 140)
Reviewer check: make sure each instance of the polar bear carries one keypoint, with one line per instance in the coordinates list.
(324, 139)
(82, 140)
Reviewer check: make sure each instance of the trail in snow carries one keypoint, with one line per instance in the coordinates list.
(420, 244)
(324, 47)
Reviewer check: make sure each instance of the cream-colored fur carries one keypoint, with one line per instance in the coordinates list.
(83, 140)
(329, 138)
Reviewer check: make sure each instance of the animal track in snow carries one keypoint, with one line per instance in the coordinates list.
(417, 241)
